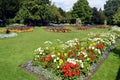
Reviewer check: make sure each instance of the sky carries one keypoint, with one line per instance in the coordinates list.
(67, 4)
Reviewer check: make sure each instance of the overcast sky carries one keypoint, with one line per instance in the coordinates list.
(67, 4)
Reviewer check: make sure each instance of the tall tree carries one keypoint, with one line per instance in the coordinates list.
(8, 8)
(116, 17)
(33, 10)
(102, 16)
(82, 10)
(54, 13)
(110, 9)
(68, 16)
(95, 16)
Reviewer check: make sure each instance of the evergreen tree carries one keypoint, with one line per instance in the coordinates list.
(95, 16)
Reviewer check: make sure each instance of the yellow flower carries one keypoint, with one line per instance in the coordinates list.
(65, 54)
(94, 44)
(88, 59)
(60, 61)
(58, 54)
(82, 48)
(91, 44)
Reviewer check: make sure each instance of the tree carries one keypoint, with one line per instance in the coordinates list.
(54, 13)
(110, 9)
(82, 10)
(116, 17)
(8, 8)
(63, 15)
(68, 16)
(33, 10)
(102, 16)
(95, 16)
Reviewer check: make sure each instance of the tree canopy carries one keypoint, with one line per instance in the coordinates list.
(116, 17)
(8, 8)
(82, 10)
(33, 10)
(110, 9)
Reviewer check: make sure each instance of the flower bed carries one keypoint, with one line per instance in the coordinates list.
(83, 28)
(102, 27)
(18, 29)
(57, 29)
(74, 58)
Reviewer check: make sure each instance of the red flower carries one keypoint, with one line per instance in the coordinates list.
(69, 74)
(70, 69)
(73, 73)
(93, 57)
(77, 73)
(72, 65)
(76, 65)
(70, 52)
(43, 59)
(100, 46)
(48, 58)
(65, 75)
(77, 47)
(61, 56)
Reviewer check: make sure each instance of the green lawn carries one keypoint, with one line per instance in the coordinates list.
(18, 50)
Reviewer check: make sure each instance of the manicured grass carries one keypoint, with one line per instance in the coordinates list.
(18, 50)
(110, 68)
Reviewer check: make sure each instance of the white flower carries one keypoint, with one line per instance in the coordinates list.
(93, 47)
(58, 66)
(84, 53)
(54, 60)
(53, 55)
(71, 60)
(47, 42)
(99, 51)
(82, 65)
(58, 58)
(40, 50)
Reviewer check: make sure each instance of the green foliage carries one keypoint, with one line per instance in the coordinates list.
(116, 17)
(110, 9)
(102, 16)
(98, 17)
(82, 10)
(95, 16)
(8, 8)
(33, 10)
(55, 15)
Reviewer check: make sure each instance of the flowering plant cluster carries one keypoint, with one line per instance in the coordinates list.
(116, 29)
(102, 27)
(73, 59)
(18, 29)
(83, 28)
(58, 29)
(70, 69)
